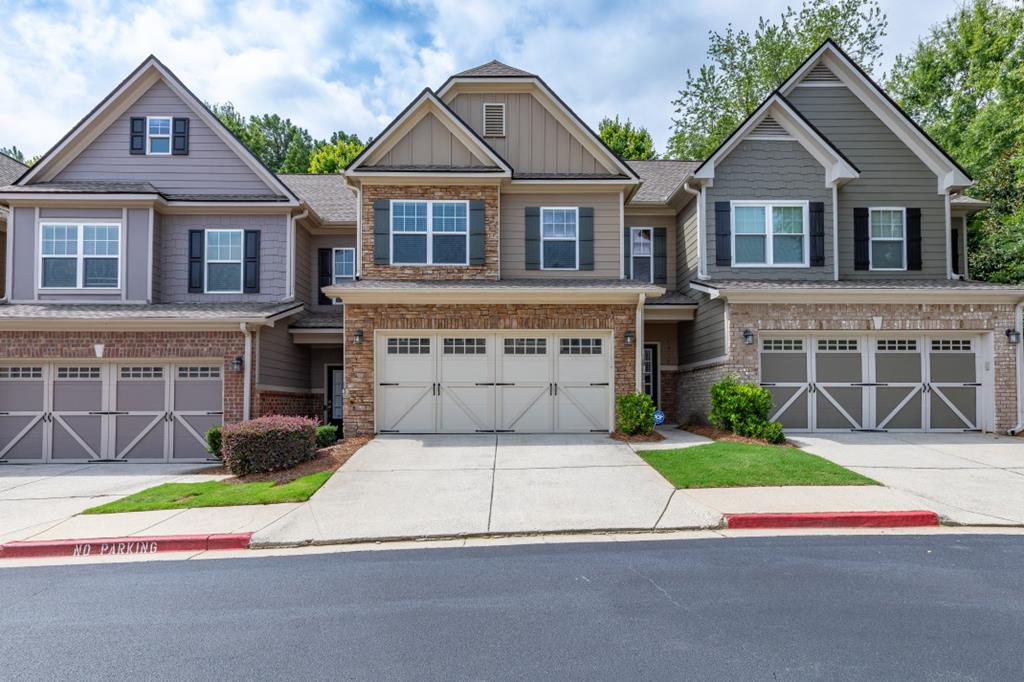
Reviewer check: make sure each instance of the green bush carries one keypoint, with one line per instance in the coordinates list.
(268, 444)
(744, 410)
(326, 435)
(634, 414)
(771, 432)
(213, 441)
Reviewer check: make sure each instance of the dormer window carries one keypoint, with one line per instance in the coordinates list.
(494, 119)
(158, 135)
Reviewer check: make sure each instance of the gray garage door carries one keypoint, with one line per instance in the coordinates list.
(23, 412)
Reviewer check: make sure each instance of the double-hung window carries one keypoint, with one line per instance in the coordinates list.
(559, 238)
(80, 256)
(769, 234)
(429, 232)
(888, 239)
(641, 250)
(223, 261)
(343, 267)
(158, 135)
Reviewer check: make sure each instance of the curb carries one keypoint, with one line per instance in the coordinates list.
(125, 546)
(898, 519)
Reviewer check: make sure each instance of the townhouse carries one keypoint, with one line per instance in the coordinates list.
(487, 264)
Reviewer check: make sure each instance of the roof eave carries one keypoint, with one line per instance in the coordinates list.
(484, 295)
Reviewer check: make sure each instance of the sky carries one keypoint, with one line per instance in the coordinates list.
(352, 66)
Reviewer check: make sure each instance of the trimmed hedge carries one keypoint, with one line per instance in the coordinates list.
(269, 443)
(634, 414)
(213, 441)
(326, 435)
(744, 410)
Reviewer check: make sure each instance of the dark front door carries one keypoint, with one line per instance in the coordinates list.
(334, 395)
(651, 372)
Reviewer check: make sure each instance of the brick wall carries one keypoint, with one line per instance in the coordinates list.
(489, 195)
(280, 402)
(359, 358)
(669, 389)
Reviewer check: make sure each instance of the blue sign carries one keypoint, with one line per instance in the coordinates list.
(659, 417)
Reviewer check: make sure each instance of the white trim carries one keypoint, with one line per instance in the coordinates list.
(483, 110)
(963, 249)
(575, 239)
(638, 341)
(835, 232)
(149, 256)
(949, 236)
(79, 224)
(702, 237)
(207, 261)
(9, 256)
(769, 235)
(429, 234)
(122, 266)
(334, 275)
(622, 228)
(872, 239)
(168, 136)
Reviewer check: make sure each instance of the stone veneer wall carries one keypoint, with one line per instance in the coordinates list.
(488, 194)
(695, 384)
(359, 370)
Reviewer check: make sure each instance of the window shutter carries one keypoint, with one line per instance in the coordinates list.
(586, 235)
(477, 233)
(179, 137)
(817, 231)
(381, 231)
(195, 261)
(913, 239)
(861, 240)
(251, 264)
(532, 238)
(956, 252)
(660, 255)
(723, 233)
(137, 135)
(627, 253)
(325, 267)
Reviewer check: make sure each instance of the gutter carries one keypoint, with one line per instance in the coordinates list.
(247, 368)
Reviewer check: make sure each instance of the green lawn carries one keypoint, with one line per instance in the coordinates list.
(215, 494)
(724, 464)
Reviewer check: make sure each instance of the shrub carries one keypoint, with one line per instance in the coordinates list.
(771, 432)
(326, 435)
(744, 410)
(213, 441)
(268, 444)
(634, 414)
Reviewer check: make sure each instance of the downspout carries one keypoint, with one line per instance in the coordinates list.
(1019, 357)
(700, 228)
(292, 270)
(247, 369)
(835, 232)
(639, 351)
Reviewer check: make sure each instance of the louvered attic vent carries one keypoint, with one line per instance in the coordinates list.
(494, 119)
(769, 127)
(820, 73)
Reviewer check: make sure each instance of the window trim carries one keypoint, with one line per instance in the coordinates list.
(633, 230)
(483, 113)
(207, 260)
(576, 210)
(429, 233)
(769, 253)
(80, 256)
(872, 239)
(169, 136)
(334, 275)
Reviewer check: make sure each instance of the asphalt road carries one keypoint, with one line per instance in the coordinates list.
(843, 608)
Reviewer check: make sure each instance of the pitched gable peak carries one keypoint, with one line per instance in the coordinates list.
(494, 69)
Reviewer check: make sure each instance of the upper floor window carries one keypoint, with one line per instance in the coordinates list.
(641, 249)
(888, 239)
(158, 135)
(344, 265)
(80, 256)
(223, 261)
(429, 232)
(769, 234)
(559, 237)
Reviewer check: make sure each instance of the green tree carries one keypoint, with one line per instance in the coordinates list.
(630, 143)
(744, 68)
(964, 83)
(241, 127)
(337, 153)
(13, 152)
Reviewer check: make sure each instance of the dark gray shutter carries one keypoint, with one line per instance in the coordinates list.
(324, 270)
(723, 233)
(137, 135)
(660, 255)
(195, 261)
(179, 137)
(956, 253)
(861, 240)
(532, 238)
(627, 253)
(913, 239)
(381, 231)
(817, 230)
(477, 233)
(251, 263)
(586, 236)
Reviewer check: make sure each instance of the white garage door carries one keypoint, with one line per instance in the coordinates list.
(876, 382)
(481, 382)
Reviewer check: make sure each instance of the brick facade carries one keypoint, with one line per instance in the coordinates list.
(669, 394)
(359, 361)
(488, 194)
(281, 402)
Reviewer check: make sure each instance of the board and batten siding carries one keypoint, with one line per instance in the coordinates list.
(607, 234)
(210, 167)
(667, 222)
(686, 244)
(282, 363)
(534, 142)
(429, 143)
(772, 170)
(703, 338)
(890, 175)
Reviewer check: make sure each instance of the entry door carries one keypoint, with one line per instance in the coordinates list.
(79, 413)
(23, 413)
(582, 385)
(465, 383)
(334, 393)
(650, 370)
(953, 386)
(406, 384)
(525, 390)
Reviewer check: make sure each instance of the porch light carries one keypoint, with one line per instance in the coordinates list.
(1013, 336)
(629, 337)
(748, 337)
(357, 337)
(98, 349)
(236, 364)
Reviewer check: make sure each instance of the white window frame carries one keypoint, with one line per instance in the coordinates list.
(576, 210)
(207, 260)
(769, 254)
(334, 275)
(872, 239)
(168, 136)
(483, 112)
(632, 255)
(429, 233)
(80, 256)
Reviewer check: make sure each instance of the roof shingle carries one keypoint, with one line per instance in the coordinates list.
(153, 312)
(327, 194)
(494, 69)
(661, 179)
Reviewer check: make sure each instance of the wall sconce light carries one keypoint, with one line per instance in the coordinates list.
(629, 337)
(357, 337)
(98, 348)
(1013, 336)
(748, 337)
(236, 364)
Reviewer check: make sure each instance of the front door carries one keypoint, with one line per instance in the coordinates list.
(651, 372)
(334, 402)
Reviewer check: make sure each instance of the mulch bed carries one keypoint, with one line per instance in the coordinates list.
(721, 434)
(653, 437)
(327, 459)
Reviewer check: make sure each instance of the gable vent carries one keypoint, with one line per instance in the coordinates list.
(494, 119)
(820, 74)
(769, 127)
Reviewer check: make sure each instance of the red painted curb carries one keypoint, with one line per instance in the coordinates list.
(899, 519)
(126, 546)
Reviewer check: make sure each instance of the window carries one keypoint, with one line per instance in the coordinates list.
(494, 119)
(80, 256)
(888, 245)
(952, 345)
(641, 249)
(772, 234)
(580, 347)
(15, 373)
(475, 346)
(128, 373)
(223, 261)
(408, 346)
(837, 345)
(199, 372)
(526, 346)
(158, 135)
(78, 372)
(896, 345)
(782, 345)
(430, 232)
(344, 264)
(559, 245)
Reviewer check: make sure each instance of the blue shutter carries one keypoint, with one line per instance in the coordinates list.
(723, 233)
(477, 233)
(195, 261)
(251, 262)
(533, 238)
(381, 231)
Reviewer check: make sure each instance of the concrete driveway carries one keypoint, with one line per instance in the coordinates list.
(969, 478)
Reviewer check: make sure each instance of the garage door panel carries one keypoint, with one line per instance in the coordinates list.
(839, 407)
(789, 406)
(77, 396)
(898, 367)
(582, 409)
(526, 408)
(784, 367)
(188, 436)
(838, 367)
(898, 407)
(139, 437)
(952, 367)
(953, 408)
(467, 408)
(407, 408)
(583, 384)
(21, 396)
(77, 437)
(141, 396)
(21, 437)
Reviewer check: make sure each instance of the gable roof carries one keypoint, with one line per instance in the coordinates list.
(328, 195)
(951, 174)
(661, 178)
(117, 101)
(494, 69)
(10, 169)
